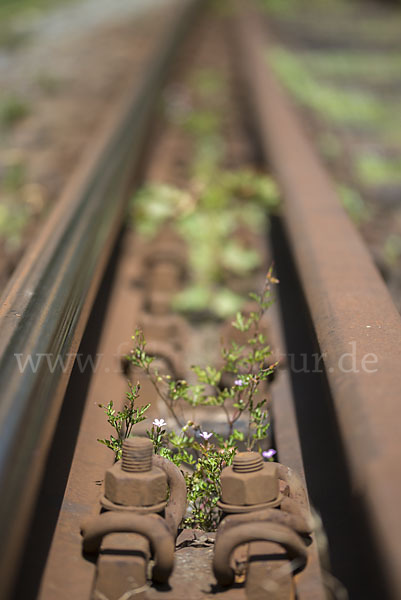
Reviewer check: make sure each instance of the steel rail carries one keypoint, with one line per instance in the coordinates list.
(356, 323)
(46, 304)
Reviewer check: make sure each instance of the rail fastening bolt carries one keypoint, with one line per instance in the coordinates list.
(249, 481)
(134, 481)
(137, 454)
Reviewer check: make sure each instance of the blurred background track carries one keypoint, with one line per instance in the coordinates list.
(340, 62)
(63, 65)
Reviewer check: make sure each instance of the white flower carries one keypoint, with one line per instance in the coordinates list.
(159, 422)
(205, 435)
(238, 382)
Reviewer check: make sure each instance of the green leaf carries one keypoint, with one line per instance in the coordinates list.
(239, 260)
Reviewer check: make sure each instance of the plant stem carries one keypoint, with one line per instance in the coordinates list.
(164, 398)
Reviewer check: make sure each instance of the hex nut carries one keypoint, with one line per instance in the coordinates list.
(165, 277)
(135, 489)
(246, 489)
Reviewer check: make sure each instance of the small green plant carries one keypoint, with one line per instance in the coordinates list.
(354, 204)
(209, 218)
(218, 214)
(192, 449)
(207, 83)
(49, 84)
(14, 218)
(376, 170)
(245, 363)
(355, 67)
(332, 103)
(392, 249)
(124, 420)
(202, 461)
(202, 122)
(12, 110)
(279, 7)
(200, 454)
(14, 176)
(13, 13)
(219, 211)
(11, 38)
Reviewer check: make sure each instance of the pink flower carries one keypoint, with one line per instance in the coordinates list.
(269, 453)
(205, 435)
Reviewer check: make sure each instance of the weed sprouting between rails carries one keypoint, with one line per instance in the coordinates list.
(202, 455)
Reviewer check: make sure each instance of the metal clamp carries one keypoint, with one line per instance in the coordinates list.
(153, 527)
(255, 532)
(177, 504)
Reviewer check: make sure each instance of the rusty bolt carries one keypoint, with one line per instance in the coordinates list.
(249, 480)
(165, 277)
(134, 481)
(159, 303)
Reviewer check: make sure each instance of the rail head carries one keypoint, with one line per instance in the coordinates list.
(45, 307)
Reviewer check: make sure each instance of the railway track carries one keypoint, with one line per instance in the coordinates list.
(89, 281)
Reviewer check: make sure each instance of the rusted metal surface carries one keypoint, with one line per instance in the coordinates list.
(84, 486)
(310, 583)
(122, 563)
(249, 481)
(356, 323)
(134, 482)
(193, 576)
(297, 522)
(122, 567)
(177, 502)
(268, 574)
(153, 527)
(46, 305)
(172, 358)
(268, 568)
(255, 531)
(165, 327)
(283, 411)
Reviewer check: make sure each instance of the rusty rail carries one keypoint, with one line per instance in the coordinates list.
(46, 305)
(355, 321)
